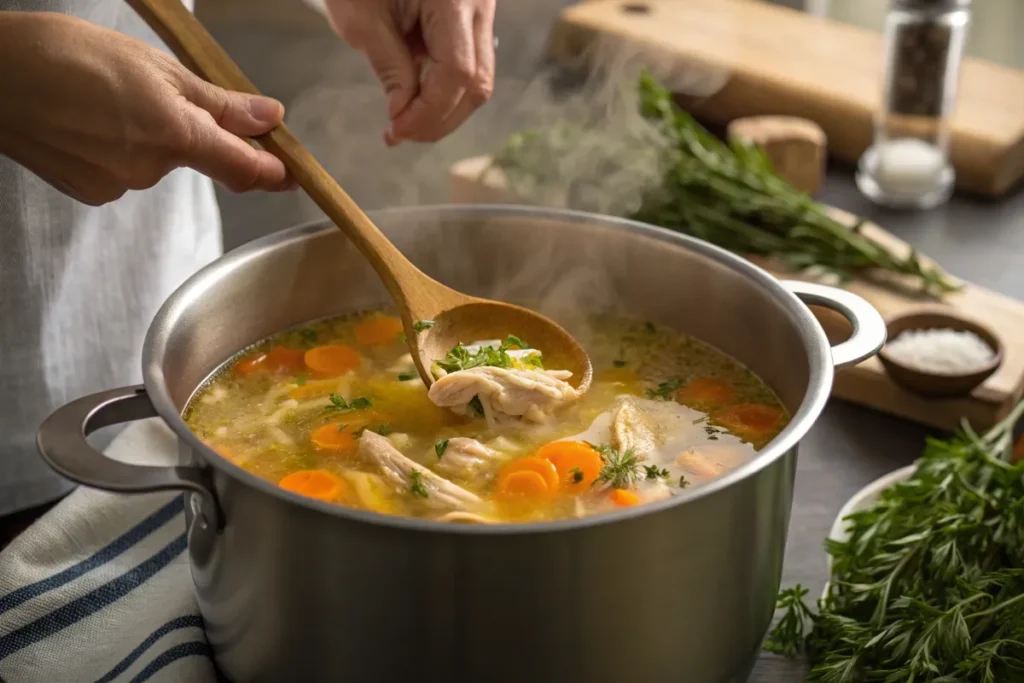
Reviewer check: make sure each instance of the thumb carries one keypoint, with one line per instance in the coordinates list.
(239, 113)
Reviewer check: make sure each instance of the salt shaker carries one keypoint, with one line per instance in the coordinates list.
(907, 165)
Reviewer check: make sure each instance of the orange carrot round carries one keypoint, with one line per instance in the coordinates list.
(332, 360)
(755, 422)
(283, 359)
(319, 484)
(378, 330)
(522, 484)
(335, 436)
(704, 392)
(545, 473)
(250, 363)
(578, 464)
(624, 498)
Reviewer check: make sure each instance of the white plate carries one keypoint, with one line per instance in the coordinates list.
(862, 500)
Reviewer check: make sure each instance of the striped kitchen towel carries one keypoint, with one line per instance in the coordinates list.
(98, 589)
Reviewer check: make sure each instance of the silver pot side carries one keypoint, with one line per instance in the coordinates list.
(293, 589)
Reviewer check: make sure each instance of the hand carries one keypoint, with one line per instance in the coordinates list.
(96, 113)
(435, 58)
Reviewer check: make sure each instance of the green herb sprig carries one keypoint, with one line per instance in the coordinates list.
(929, 584)
(621, 469)
(338, 402)
(460, 358)
(416, 486)
(725, 193)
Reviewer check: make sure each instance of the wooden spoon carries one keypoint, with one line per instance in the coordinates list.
(456, 317)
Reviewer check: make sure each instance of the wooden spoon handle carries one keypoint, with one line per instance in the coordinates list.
(198, 50)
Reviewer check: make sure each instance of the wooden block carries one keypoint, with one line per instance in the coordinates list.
(474, 181)
(765, 59)
(795, 146)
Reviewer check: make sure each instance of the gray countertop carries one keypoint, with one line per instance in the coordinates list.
(335, 107)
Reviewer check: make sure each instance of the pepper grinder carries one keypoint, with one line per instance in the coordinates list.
(907, 165)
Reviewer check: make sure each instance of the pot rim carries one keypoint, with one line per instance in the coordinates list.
(817, 346)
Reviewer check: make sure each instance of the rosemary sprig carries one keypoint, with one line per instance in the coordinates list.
(725, 193)
(929, 585)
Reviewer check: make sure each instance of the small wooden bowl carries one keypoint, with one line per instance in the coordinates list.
(933, 384)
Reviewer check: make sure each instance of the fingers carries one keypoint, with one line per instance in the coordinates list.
(460, 43)
(216, 121)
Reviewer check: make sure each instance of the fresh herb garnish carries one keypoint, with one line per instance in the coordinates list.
(619, 363)
(421, 325)
(338, 402)
(929, 584)
(405, 376)
(301, 380)
(683, 483)
(577, 475)
(460, 358)
(654, 472)
(665, 389)
(403, 337)
(650, 326)
(308, 336)
(440, 447)
(416, 487)
(383, 430)
(621, 469)
(690, 181)
(476, 406)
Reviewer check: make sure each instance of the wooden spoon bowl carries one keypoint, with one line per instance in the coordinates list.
(456, 316)
(935, 384)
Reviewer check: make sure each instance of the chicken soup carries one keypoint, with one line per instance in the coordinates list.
(336, 411)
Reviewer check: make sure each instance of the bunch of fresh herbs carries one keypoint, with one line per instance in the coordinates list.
(929, 584)
(725, 193)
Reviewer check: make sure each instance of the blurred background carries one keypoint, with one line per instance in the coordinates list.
(336, 107)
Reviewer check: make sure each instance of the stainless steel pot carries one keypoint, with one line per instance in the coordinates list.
(292, 589)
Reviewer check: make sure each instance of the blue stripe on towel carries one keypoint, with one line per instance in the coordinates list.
(190, 621)
(91, 602)
(193, 649)
(115, 548)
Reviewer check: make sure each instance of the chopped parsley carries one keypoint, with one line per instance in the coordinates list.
(416, 487)
(383, 430)
(476, 406)
(460, 358)
(301, 380)
(338, 402)
(650, 326)
(308, 336)
(405, 376)
(619, 363)
(653, 472)
(665, 389)
(577, 475)
(403, 337)
(683, 483)
(440, 447)
(421, 325)
(621, 469)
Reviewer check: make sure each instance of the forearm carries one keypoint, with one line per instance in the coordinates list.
(21, 40)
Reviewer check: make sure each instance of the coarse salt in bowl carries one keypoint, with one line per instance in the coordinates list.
(942, 351)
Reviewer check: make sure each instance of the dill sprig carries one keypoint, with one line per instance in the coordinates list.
(929, 585)
(621, 469)
(725, 193)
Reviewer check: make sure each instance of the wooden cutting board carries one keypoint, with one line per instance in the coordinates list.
(472, 182)
(747, 58)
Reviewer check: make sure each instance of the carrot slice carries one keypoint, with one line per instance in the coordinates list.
(332, 360)
(378, 330)
(754, 422)
(578, 464)
(314, 389)
(543, 469)
(523, 484)
(283, 359)
(319, 484)
(278, 359)
(336, 436)
(704, 392)
(624, 498)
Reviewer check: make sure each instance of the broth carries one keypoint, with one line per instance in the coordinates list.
(335, 410)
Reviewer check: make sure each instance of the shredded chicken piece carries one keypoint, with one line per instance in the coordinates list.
(397, 470)
(650, 491)
(632, 430)
(465, 457)
(694, 462)
(530, 394)
(465, 517)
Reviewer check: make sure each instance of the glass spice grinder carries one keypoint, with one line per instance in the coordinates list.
(907, 165)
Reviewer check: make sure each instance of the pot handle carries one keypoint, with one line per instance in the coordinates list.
(869, 331)
(62, 443)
